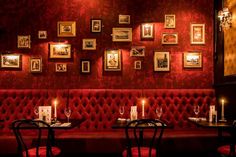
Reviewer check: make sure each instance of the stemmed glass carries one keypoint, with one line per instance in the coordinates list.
(159, 111)
(36, 111)
(67, 112)
(121, 110)
(196, 109)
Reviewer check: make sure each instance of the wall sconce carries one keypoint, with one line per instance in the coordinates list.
(225, 18)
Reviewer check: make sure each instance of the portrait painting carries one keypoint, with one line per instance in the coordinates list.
(35, 64)
(197, 34)
(112, 60)
(96, 25)
(147, 31)
(23, 41)
(170, 21)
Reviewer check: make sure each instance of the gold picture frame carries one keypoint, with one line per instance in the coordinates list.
(61, 67)
(23, 41)
(89, 44)
(161, 61)
(36, 64)
(11, 61)
(66, 29)
(197, 33)
(147, 31)
(169, 38)
(124, 19)
(122, 34)
(96, 25)
(137, 51)
(85, 66)
(59, 50)
(192, 60)
(42, 34)
(169, 21)
(138, 65)
(112, 60)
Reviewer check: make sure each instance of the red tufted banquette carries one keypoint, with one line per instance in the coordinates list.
(100, 108)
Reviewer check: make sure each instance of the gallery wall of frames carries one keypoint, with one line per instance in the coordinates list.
(106, 44)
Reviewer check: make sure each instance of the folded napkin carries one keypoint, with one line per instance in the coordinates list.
(121, 119)
(197, 119)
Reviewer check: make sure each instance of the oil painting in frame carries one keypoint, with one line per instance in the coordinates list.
(36, 64)
(112, 60)
(192, 60)
(59, 50)
(61, 67)
(147, 31)
(96, 25)
(11, 61)
(169, 21)
(85, 66)
(197, 33)
(137, 51)
(66, 29)
(161, 61)
(23, 41)
(138, 65)
(169, 38)
(121, 34)
(42, 34)
(124, 19)
(89, 44)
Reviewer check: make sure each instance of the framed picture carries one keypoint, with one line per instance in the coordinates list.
(147, 31)
(124, 19)
(169, 38)
(192, 60)
(85, 66)
(161, 61)
(59, 50)
(197, 33)
(23, 41)
(42, 34)
(45, 113)
(61, 67)
(122, 34)
(66, 29)
(89, 44)
(137, 65)
(11, 61)
(137, 51)
(36, 64)
(169, 21)
(112, 60)
(96, 25)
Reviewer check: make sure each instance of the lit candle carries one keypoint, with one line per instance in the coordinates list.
(143, 108)
(222, 109)
(55, 109)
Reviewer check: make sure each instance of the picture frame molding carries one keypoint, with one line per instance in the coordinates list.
(64, 67)
(89, 48)
(37, 69)
(136, 48)
(42, 32)
(166, 23)
(124, 16)
(17, 66)
(185, 64)
(192, 34)
(82, 64)
(54, 46)
(92, 27)
(138, 65)
(27, 44)
(156, 66)
(152, 30)
(169, 43)
(115, 32)
(119, 63)
(61, 24)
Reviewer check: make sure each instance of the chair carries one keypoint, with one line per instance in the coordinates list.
(229, 149)
(143, 138)
(30, 138)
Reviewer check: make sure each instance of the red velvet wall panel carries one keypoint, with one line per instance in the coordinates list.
(28, 16)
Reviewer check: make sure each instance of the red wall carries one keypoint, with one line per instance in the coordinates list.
(27, 17)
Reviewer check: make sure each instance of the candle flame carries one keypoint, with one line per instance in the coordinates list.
(55, 102)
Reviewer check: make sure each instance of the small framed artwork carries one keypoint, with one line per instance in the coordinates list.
(11, 61)
(192, 60)
(36, 64)
(161, 61)
(137, 65)
(112, 60)
(85, 66)
(169, 21)
(197, 33)
(96, 25)
(23, 41)
(42, 34)
(59, 50)
(124, 19)
(169, 38)
(66, 29)
(147, 31)
(137, 51)
(122, 34)
(89, 44)
(61, 67)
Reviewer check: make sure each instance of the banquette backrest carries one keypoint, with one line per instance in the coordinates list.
(100, 107)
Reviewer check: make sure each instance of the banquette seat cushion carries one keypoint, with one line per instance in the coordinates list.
(100, 109)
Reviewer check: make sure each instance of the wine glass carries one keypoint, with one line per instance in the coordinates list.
(121, 110)
(67, 112)
(36, 111)
(159, 111)
(196, 109)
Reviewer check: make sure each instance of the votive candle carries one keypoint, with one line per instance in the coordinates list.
(55, 109)
(143, 102)
(222, 109)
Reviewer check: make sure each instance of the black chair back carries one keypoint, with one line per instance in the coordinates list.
(233, 139)
(144, 133)
(34, 131)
